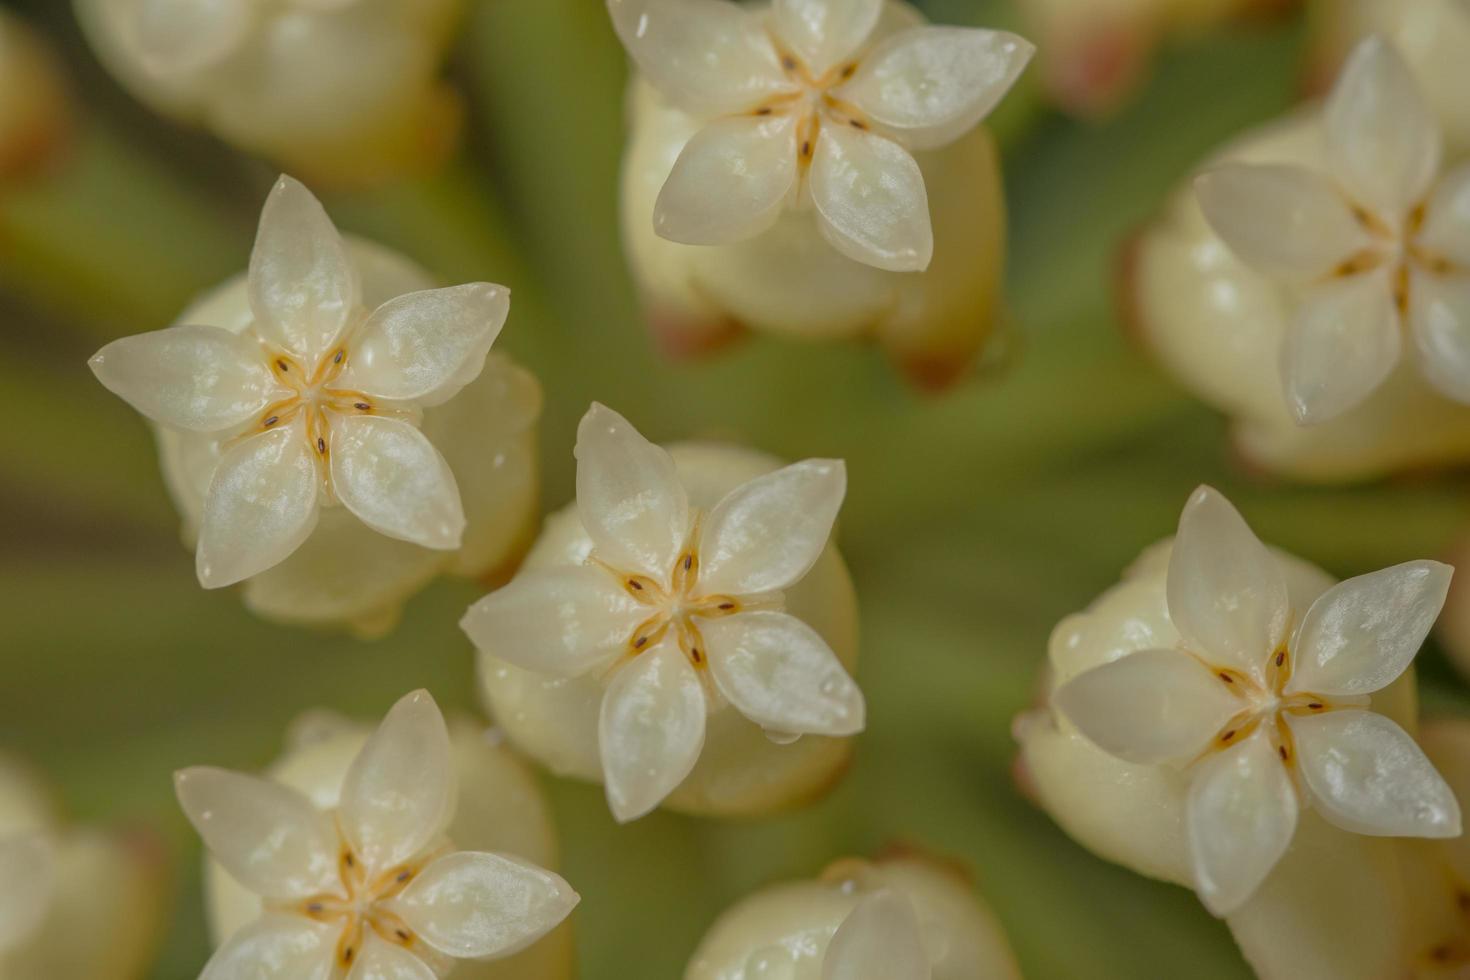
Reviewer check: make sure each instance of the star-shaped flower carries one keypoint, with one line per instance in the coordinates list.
(805, 110)
(320, 398)
(371, 889)
(679, 611)
(1266, 717)
(1377, 244)
(177, 37)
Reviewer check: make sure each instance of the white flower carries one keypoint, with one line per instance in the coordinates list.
(320, 400)
(674, 607)
(1265, 717)
(1379, 243)
(371, 888)
(803, 111)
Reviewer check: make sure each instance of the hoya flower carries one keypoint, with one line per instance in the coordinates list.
(370, 886)
(667, 610)
(35, 110)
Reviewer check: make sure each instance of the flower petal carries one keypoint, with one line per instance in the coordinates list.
(1150, 706)
(1226, 592)
(930, 85)
(1363, 633)
(387, 961)
(267, 836)
(1383, 141)
(629, 497)
(199, 378)
(391, 476)
(175, 37)
(472, 904)
(563, 621)
(780, 673)
(1344, 342)
(396, 796)
(1366, 775)
(881, 938)
(1446, 228)
(276, 947)
(303, 287)
(1283, 220)
(261, 504)
(766, 534)
(1240, 816)
(708, 56)
(1439, 314)
(731, 181)
(870, 199)
(27, 882)
(824, 32)
(651, 730)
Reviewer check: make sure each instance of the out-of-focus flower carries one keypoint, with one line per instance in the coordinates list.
(372, 886)
(344, 91)
(296, 399)
(678, 611)
(35, 109)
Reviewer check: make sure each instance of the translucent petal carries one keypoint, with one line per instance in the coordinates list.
(767, 533)
(1283, 220)
(1240, 816)
(269, 837)
(780, 673)
(303, 287)
(1439, 315)
(199, 378)
(651, 730)
(1383, 141)
(472, 904)
(27, 882)
(1366, 775)
(708, 56)
(881, 939)
(1363, 633)
(1446, 229)
(629, 497)
(261, 504)
(563, 621)
(929, 85)
(1150, 706)
(1226, 593)
(822, 33)
(276, 947)
(730, 182)
(392, 477)
(870, 196)
(1343, 343)
(397, 794)
(386, 961)
(176, 37)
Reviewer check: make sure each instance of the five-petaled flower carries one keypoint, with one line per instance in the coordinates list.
(372, 889)
(319, 399)
(1379, 243)
(676, 608)
(805, 109)
(176, 37)
(1265, 717)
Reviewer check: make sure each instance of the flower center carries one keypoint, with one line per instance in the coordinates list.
(1396, 245)
(813, 104)
(361, 904)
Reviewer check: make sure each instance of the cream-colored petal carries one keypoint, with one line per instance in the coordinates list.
(629, 497)
(472, 904)
(1150, 706)
(388, 473)
(261, 504)
(199, 378)
(1446, 229)
(396, 796)
(176, 37)
(267, 836)
(276, 947)
(1364, 632)
(1439, 315)
(1343, 343)
(822, 33)
(304, 289)
(1226, 592)
(651, 730)
(766, 534)
(1281, 219)
(387, 961)
(781, 674)
(1368, 776)
(931, 84)
(881, 939)
(1240, 816)
(731, 181)
(563, 621)
(1383, 141)
(27, 881)
(871, 201)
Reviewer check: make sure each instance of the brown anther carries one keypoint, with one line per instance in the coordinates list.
(282, 365)
(1316, 706)
(337, 358)
(640, 643)
(402, 934)
(789, 63)
(726, 606)
(1401, 288)
(1228, 735)
(1226, 678)
(1282, 749)
(404, 876)
(695, 655)
(271, 421)
(806, 148)
(349, 860)
(635, 585)
(849, 71)
(764, 110)
(1280, 657)
(347, 954)
(321, 445)
(857, 124)
(362, 406)
(314, 907)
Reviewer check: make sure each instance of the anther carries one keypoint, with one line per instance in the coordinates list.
(696, 655)
(362, 406)
(849, 71)
(404, 876)
(281, 363)
(789, 63)
(727, 606)
(1280, 658)
(1226, 678)
(1228, 735)
(315, 907)
(635, 585)
(806, 148)
(271, 421)
(688, 562)
(321, 447)
(1282, 750)
(1316, 705)
(857, 124)
(402, 934)
(337, 359)
(764, 110)
(639, 643)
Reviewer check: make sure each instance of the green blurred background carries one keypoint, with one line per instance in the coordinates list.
(975, 520)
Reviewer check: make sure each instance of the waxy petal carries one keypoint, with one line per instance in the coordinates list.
(27, 882)
(1343, 343)
(1439, 315)
(176, 37)
(276, 947)
(780, 673)
(651, 730)
(881, 939)
(1446, 230)
(823, 33)
(388, 473)
(731, 181)
(1366, 775)
(386, 961)
(871, 201)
